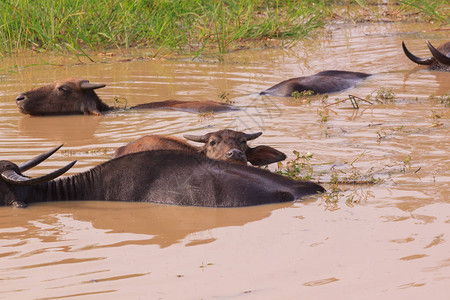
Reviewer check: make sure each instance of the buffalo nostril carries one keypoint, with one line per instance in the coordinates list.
(20, 97)
(235, 154)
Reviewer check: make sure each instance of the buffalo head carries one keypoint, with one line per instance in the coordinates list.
(232, 145)
(13, 183)
(77, 96)
(68, 96)
(324, 82)
(439, 59)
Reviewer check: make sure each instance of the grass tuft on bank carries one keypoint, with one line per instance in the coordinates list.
(185, 26)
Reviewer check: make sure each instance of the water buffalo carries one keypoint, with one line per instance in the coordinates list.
(221, 145)
(440, 59)
(77, 96)
(321, 83)
(161, 176)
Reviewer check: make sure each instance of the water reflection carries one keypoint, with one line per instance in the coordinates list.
(166, 224)
(72, 130)
(419, 76)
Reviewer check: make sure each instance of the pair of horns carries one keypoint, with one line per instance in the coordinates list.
(437, 55)
(13, 177)
(204, 138)
(86, 85)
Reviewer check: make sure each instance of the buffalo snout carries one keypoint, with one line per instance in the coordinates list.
(21, 102)
(21, 97)
(236, 155)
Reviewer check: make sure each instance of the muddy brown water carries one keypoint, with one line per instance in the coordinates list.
(391, 243)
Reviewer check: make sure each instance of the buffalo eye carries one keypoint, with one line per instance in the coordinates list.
(212, 143)
(243, 141)
(65, 88)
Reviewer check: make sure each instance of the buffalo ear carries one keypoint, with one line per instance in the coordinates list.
(264, 155)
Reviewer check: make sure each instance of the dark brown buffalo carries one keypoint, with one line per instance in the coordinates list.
(77, 96)
(221, 145)
(162, 176)
(321, 83)
(439, 59)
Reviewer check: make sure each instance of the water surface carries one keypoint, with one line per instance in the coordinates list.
(391, 243)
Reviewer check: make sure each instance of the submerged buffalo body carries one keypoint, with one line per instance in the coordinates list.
(77, 96)
(224, 144)
(169, 177)
(331, 81)
(439, 59)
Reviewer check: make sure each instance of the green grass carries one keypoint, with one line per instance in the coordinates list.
(433, 10)
(176, 26)
(185, 26)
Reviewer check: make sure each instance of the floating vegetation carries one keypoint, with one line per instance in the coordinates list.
(301, 168)
(120, 102)
(323, 114)
(337, 175)
(385, 133)
(336, 195)
(444, 99)
(103, 151)
(205, 116)
(345, 180)
(353, 100)
(303, 95)
(436, 119)
(225, 98)
(382, 95)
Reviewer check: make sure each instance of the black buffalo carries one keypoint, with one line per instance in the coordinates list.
(331, 81)
(77, 96)
(224, 144)
(439, 59)
(163, 176)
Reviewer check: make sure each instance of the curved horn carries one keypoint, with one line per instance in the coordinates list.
(252, 136)
(195, 138)
(12, 177)
(440, 57)
(86, 85)
(417, 60)
(38, 159)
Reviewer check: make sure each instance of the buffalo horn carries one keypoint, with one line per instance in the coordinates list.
(12, 177)
(195, 138)
(440, 57)
(86, 85)
(417, 60)
(252, 136)
(38, 159)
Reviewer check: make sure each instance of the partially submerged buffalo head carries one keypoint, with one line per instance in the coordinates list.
(330, 81)
(77, 96)
(68, 96)
(11, 177)
(227, 145)
(232, 145)
(439, 59)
